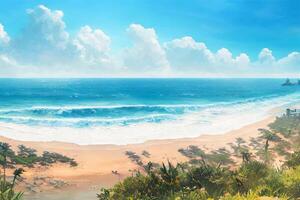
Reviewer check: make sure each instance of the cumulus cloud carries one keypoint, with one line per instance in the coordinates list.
(187, 54)
(93, 46)
(44, 40)
(290, 62)
(224, 58)
(266, 56)
(146, 54)
(47, 26)
(45, 47)
(242, 60)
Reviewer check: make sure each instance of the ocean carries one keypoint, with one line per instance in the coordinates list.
(122, 111)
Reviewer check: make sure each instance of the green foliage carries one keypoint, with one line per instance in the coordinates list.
(49, 158)
(169, 176)
(208, 181)
(291, 179)
(10, 195)
(7, 189)
(7, 160)
(210, 175)
(250, 196)
(28, 157)
(25, 157)
(294, 160)
(198, 194)
(7, 156)
(287, 126)
(213, 179)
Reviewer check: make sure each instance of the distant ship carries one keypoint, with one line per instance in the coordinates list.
(289, 83)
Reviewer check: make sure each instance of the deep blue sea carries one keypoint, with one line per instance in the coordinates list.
(158, 104)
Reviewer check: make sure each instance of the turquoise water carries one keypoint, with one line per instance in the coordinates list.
(105, 102)
(96, 103)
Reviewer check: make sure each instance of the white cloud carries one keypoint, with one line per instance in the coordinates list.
(266, 56)
(47, 26)
(242, 60)
(44, 40)
(45, 47)
(290, 62)
(4, 38)
(146, 54)
(93, 46)
(224, 58)
(187, 54)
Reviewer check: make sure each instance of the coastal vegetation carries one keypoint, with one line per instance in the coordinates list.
(264, 167)
(28, 157)
(16, 162)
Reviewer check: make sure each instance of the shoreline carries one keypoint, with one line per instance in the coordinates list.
(96, 162)
(134, 134)
(216, 121)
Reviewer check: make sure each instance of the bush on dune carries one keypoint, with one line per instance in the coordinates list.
(209, 175)
(6, 160)
(250, 181)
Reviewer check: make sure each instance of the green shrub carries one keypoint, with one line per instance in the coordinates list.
(294, 160)
(291, 180)
(213, 175)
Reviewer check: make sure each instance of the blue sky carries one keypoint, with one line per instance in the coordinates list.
(247, 27)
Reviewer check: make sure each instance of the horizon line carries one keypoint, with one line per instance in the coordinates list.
(150, 77)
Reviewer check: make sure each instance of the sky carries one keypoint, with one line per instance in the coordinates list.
(148, 38)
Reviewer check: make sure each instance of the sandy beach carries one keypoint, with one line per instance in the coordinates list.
(96, 162)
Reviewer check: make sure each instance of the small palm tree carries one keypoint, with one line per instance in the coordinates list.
(5, 152)
(246, 156)
(169, 174)
(148, 168)
(268, 136)
(17, 174)
(7, 157)
(251, 174)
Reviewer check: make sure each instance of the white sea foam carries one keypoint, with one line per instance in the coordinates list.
(212, 119)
